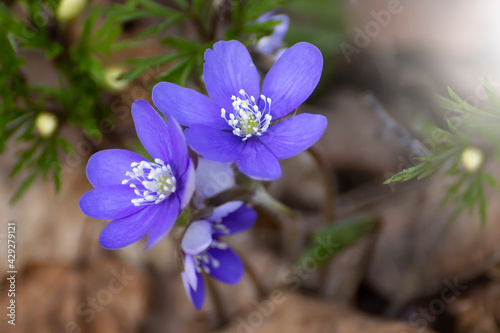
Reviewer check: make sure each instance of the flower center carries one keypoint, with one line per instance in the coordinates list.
(246, 118)
(202, 260)
(156, 178)
(220, 228)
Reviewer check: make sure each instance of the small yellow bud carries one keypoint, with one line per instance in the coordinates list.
(111, 75)
(46, 123)
(69, 10)
(472, 158)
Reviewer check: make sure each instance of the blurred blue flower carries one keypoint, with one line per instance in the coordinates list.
(211, 178)
(140, 196)
(204, 252)
(269, 44)
(241, 123)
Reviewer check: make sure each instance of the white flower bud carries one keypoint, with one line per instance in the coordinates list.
(472, 158)
(111, 75)
(46, 123)
(69, 10)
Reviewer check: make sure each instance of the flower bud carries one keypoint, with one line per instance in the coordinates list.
(472, 158)
(270, 44)
(69, 10)
(46, 123)
(111, 75)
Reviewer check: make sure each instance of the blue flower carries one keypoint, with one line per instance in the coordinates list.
(211, 178)
(269, 44)
(140, 196)
(241, 123)
(204, 252)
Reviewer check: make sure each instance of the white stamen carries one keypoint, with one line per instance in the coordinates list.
(205, 261)
(246, 118)
(156, 178)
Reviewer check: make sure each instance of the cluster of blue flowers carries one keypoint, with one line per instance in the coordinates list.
(239, 122)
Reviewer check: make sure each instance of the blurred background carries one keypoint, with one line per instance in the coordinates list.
(385, 65)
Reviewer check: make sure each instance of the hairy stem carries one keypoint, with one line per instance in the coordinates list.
(263, 198)
(291, 231)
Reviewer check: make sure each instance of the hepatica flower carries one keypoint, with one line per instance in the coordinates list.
(139, 195)
(211, 178)
(269, 44)
(204, 251)
(240, 122)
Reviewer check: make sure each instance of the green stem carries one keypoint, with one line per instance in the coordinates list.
(292, 235)
(180, 261)
(262, 197)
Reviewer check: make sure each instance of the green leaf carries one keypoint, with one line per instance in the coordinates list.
(407, 174)
(154, 8)
(140, 65)
(452, 127)
(184, 4)
(462, 106)
(261, 29)
(162, 26)
(65, 145)
(492, 94)
(184, 218)
(25, 185)
(183, 44)
(188, 68)
(448, 104)
(481, 202)
(174, 73)
(24, 157)
(56, 174)
(327, 242)
(429, 165)
(491, 180)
